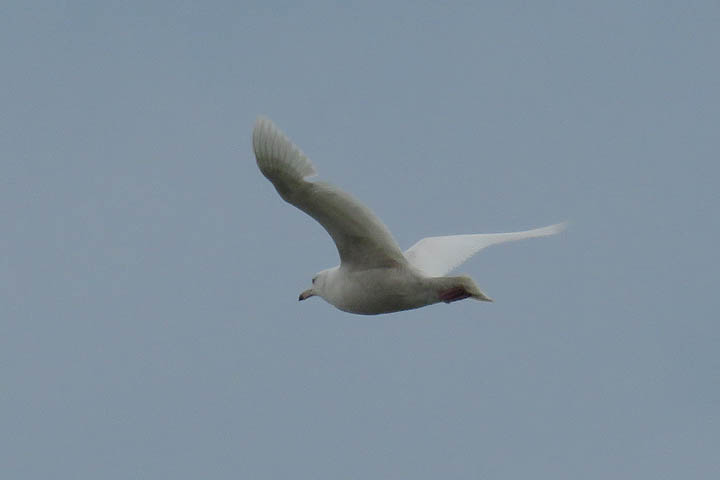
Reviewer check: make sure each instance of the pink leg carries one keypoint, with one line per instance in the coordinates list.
(454, 294)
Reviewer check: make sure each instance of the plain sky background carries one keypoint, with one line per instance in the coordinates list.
(149, 274)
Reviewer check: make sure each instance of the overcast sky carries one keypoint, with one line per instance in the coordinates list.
(149, 274)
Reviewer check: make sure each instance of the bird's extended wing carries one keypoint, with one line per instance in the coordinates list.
(362, 240)
(437, 256)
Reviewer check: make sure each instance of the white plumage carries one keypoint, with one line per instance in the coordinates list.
(276, 154)
(374, 275)
(437, 256)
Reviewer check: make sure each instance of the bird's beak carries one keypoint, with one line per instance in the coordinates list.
(306, 294)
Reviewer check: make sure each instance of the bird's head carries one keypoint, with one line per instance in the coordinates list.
(319, 285)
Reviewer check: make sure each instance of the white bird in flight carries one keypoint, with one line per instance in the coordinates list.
(374, 275)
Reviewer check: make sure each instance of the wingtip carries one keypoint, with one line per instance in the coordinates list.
(262, 120)
(561, 227)
(275, 152)
(552, 229)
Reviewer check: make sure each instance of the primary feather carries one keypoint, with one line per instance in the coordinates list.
(276, 155)
(438, 256)
(359, 235)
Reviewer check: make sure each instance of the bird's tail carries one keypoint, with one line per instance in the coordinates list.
(452, 289)
(472, 288)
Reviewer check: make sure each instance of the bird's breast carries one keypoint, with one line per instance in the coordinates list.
(381, 290)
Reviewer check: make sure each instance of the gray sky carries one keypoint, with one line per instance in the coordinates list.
(149, 274)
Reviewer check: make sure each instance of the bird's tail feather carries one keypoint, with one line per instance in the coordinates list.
(452, 289)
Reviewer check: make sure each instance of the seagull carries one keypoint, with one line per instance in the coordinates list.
(374, 275)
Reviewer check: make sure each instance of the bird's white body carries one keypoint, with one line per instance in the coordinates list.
(378, 290)
(374, 275)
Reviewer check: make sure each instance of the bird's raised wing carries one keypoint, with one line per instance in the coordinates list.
(437, 256)
(362, 240)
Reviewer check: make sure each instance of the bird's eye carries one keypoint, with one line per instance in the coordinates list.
(313, 280)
